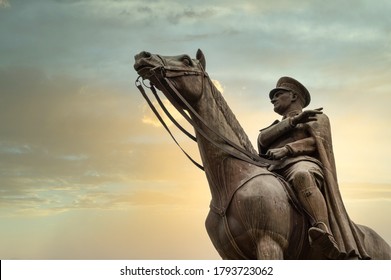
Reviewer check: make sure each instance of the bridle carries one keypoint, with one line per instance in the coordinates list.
(163, 74)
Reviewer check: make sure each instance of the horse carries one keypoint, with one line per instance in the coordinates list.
(253, 212)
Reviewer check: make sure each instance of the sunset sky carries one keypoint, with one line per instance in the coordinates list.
(86, 171)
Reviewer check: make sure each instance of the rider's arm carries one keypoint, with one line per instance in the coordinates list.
(305, 146)
(268, 135)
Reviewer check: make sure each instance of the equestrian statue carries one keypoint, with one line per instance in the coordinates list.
(280, 202)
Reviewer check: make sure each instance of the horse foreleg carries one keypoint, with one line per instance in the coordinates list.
(269, 249)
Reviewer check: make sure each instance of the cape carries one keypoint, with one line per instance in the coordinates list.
(348, 235)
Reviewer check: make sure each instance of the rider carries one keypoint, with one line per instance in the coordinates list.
(302, 143)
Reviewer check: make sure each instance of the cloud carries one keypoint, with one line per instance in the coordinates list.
(68, 146)
(58, 134)
(59, 116)
(190, 14)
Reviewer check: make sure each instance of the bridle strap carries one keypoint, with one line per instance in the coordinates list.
(168, 114)
(240, 153)
(154, 110)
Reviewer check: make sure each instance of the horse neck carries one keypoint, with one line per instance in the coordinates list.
(216, 113)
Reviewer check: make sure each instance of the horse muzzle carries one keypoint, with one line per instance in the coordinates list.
(147, 64)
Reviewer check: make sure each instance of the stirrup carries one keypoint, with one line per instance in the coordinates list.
(324, 241)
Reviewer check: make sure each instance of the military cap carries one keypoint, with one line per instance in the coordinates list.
(290, 84)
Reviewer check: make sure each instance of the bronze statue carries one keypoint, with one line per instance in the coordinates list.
(254, 214)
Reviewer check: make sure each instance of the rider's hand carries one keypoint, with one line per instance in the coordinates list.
(306, 116)
(277, 153)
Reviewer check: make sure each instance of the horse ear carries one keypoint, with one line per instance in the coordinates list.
(200, 56)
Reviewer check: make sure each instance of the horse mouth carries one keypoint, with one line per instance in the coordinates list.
(143, 69)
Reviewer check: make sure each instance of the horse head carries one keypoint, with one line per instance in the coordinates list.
(185, 74)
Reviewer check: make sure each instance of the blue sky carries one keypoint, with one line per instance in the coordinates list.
(78, 144)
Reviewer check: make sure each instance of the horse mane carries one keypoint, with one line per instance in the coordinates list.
(232, 120)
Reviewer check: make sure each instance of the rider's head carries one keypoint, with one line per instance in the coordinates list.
(288, 84)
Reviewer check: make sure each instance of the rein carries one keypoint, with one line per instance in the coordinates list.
(155, 111)
(167, 72)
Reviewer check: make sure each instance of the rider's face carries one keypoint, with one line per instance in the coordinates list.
(282, 101)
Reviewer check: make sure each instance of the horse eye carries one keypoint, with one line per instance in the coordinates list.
(186, 61)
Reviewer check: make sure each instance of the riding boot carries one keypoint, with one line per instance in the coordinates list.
(319, 234)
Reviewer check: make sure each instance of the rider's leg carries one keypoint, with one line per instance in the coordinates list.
(311, 197)
(313, 202)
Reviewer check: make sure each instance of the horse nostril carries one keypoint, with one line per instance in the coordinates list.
(146, 54)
